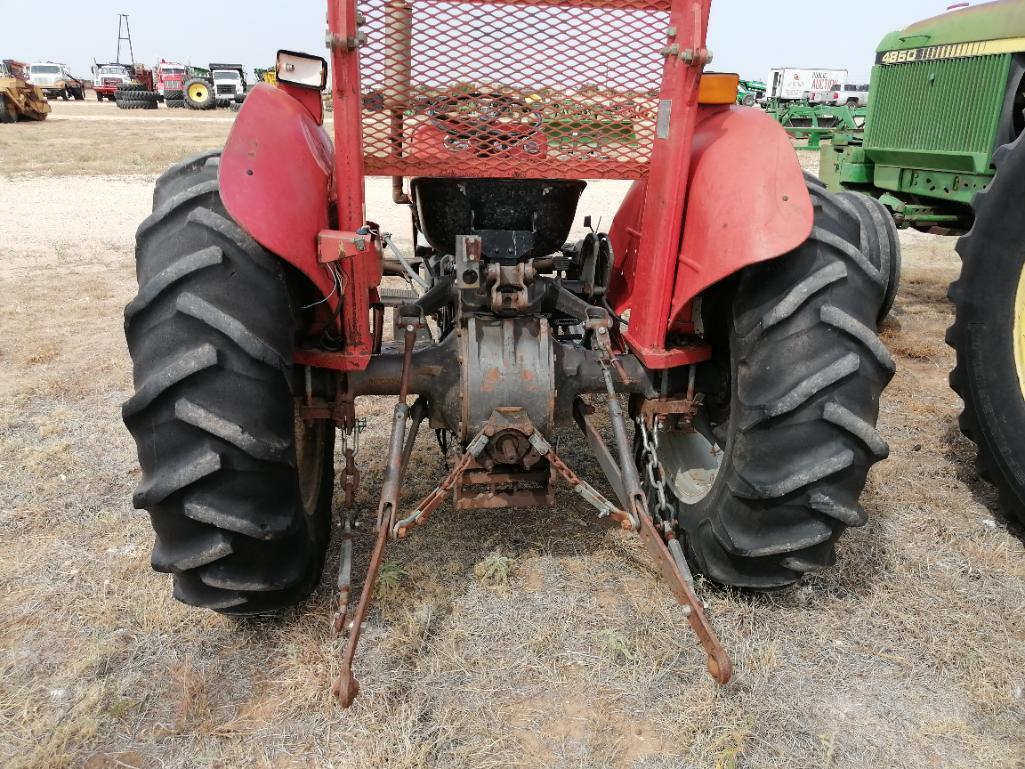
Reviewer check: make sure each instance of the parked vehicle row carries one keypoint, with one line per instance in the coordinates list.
(134, 86)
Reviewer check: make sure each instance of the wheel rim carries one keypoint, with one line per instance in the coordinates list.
(691, 463)
(1019, 331)
(309, 451)
(198, 92)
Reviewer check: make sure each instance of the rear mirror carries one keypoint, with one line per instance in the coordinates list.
(302, 70)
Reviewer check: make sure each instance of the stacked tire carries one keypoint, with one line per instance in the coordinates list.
(174, 99)
(136, 97)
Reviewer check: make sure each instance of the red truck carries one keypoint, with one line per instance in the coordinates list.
(169, 80)
(107, 78)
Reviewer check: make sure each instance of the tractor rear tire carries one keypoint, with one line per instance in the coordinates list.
(7, 114)
(238, 489)
(772, 477)
(989, 330)
(199, 94)
(879, 236)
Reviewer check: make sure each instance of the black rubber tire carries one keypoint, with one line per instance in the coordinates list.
(135, 104)
(210, 102)
(174, 103)
(99, 97)
(235, 106)
(7, 115)
(211, 339)
(146, 96)
(797, 408)
(172, 95)
(131, 87)
(986, 376)
(879, 236)
(79, 93)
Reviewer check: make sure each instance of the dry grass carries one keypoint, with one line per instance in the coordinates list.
(501, 639)
(99, 139)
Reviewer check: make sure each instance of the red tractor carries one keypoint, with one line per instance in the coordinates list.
(731, 308)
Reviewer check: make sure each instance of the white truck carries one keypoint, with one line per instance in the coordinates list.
(229, 83)
(799, 83)
(107, 78)
(851, 95)
(56, 81)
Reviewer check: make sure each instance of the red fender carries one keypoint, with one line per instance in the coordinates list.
(275, 177)
(747, 203)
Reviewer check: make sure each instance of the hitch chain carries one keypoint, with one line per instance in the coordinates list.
(350, 482)
(653, 471)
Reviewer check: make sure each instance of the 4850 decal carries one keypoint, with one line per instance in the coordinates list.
(954, 51)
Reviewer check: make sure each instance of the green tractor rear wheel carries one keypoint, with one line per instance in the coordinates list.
(199, 94)
(989, 330)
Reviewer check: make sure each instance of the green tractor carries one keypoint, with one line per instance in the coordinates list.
(750, 92)
(942, 149)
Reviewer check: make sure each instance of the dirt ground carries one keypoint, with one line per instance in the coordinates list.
(909, 653)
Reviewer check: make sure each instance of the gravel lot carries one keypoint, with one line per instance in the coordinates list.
(909, 653)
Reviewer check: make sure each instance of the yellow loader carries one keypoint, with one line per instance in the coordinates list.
(18, 98)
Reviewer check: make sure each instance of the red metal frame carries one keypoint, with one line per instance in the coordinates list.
(343, 40)
(280, 179)
(661, 223)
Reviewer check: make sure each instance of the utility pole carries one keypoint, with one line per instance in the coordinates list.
(124, 34)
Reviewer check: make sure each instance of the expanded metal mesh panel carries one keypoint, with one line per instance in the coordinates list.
(938, 108)
(532, 88)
